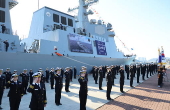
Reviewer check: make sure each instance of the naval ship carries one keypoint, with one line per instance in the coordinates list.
(57, 39)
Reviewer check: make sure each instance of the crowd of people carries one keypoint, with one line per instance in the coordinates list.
(37, 80)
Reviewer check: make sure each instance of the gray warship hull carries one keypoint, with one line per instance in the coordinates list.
(20, 61)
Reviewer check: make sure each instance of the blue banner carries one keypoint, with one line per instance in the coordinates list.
(101, 48)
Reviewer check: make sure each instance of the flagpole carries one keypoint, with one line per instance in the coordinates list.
(38, 4)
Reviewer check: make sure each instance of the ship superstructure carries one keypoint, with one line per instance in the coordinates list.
(60, 39)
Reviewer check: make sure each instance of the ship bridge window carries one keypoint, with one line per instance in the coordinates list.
(2, 3)
(56, 18)
(2, 16)
(63, 20)
(70, 22)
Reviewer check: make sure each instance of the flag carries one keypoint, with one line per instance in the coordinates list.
(159, 57)
(163, 55)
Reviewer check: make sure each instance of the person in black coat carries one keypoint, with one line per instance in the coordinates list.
(85, 69)
(3, 28)
(113, 74)
(96, 74)
(122, 78)
(52, 78)
(160, 76)
(71, 74)
(7, 75)
(38, 91)
(58, 86)
(100, 77)
(15, 93)
(6, 45)
(42, 76)
(138, 73)
(47, 75)
(127, 71)
(143, 72)
(2, 86)
(25, 80)
(147, 70)
(62, 72)
(30, 74)
(83, 90)
(131, 75)
(109, 80)
(75, 72)
(67, 79)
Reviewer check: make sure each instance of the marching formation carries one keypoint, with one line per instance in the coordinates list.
(37, 80)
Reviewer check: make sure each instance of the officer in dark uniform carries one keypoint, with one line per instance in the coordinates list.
(75, 72)
(2, 86)
(15, 72)
(71, 74)
(15, 93)
(25, 80)
(138, 73)
(147, 70)
(58, 86)
(6, 45)
(62, 72)
(42, 75)
(52, 78)
(7, 75)
(67, 79)
(109, 80)
(3, 28)
(143, 72)
(85, 69)
(100, 77)
(47, 75)
(96, 75)
(83, 90)
(38, 91)
(122, 78)
(30, 74)
(113, 74)
(131, 75)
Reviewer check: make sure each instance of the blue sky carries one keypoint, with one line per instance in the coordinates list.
(143, 25)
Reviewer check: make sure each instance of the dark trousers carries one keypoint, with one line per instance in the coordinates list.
(96, 78)
(47, 77)
(74, 75)
(31, 80)
(71, 76)
(67, 82)
(131, 81)
(57, 95)
(103, 74)
(143, 75)
(121, 87)
(138, 74)
(14, 102)
(109, 88)
(25, 85)
(3, 30)
(147, 74)
(6, 48)
(83, 100)
(160, 79)
(127, 75)
(113, 80)
(1, 94)
(100, 82)
(52, 83)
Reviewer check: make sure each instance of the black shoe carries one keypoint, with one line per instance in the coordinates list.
(57, 104)
(1, 108)
(131, 86)
(100, 89)
(60, 104)
(67, 91)
(122, 91)
(109, 99)
(96, 83)
(52, 88)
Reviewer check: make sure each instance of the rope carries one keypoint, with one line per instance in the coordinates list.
(78, 61)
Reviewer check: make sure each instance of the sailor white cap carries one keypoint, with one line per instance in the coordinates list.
(8, 68)
(37, 74)
(40, 68)
(108, 67)
(82, 71)
(14, 75)
(15, 70)
(25, 69)
(67, 68)
(58, 69)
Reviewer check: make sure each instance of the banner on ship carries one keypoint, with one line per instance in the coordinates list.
(101, 48)
(78, 43)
